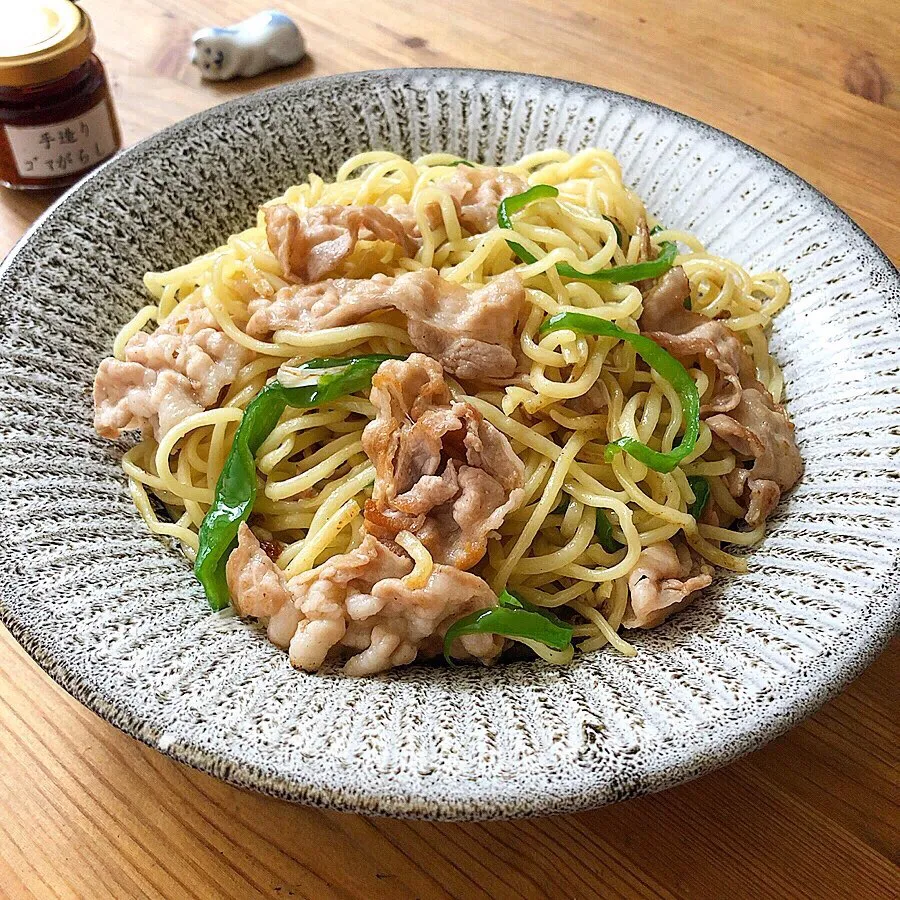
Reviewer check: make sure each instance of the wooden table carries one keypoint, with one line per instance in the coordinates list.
(88, 812)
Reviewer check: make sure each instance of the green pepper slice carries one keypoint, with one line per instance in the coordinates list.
(236, 487)
(617, 274)
(603, 532)
(700, 487)
(512, 618)
(659, 360)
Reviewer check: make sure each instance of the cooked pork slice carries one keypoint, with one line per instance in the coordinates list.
(659, 585)
(471, 333)
(758, 429)
(333, 303)
(311, 246)
(323, 595)
(179, 369)
(685, 334)
(479, 192)
(442, 471)
(647, 250)
(595, 400)
(664, 309)
(258, 587)
(359, 600)
(760, 498)
(476, 194)
(122, 392)
(411, 622)
(405, 214)
(740, 411)
(723, 348)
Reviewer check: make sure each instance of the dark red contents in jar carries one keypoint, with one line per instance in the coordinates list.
(52, 133)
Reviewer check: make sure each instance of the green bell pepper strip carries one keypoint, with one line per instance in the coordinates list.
(603, 532)
(700, 487)
(512, 618)
(519, 201)
(617, 274)
(653, 268)
(511, 601)
(602, 526)
(236, 487)
(461, 162)
(620, 234)
(660, 361)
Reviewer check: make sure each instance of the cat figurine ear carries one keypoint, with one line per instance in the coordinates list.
(265, 41)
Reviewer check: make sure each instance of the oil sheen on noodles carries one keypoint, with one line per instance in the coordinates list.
(547, 552)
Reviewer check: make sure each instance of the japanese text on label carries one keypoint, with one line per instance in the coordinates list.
(65, 148)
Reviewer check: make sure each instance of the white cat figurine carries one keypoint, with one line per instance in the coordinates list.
(265, 41)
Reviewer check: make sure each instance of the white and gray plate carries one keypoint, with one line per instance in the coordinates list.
(116, 617)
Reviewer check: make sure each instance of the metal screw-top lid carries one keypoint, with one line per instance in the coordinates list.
(42, 40)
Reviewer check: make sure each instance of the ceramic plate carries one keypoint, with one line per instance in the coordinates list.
(116, 617)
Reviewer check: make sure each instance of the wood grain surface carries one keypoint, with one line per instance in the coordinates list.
(87, 812)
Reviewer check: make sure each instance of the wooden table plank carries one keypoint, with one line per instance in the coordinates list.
(88, 812)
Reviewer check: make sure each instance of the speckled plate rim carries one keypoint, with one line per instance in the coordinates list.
(814, 683)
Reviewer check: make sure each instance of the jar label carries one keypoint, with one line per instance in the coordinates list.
(63, 148)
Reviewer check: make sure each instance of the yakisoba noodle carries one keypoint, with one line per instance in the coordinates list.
(315, 476)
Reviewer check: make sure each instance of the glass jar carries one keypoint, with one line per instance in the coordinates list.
(57, 119)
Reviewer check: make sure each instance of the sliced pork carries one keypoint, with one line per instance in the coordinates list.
(472, 334)
(647, 250)
(660, 584)
(595, 400)
(758, 429)
(685, 334)
(664, 309)
(405, 214)
(258, 587)
(358, 601)
(311, 246)
(442, 472)
(740, 411)
(178, 370)
(478, 192)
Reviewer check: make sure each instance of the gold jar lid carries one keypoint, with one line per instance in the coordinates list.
(42, 40)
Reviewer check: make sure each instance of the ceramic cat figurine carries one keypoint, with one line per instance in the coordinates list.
(265, 41)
